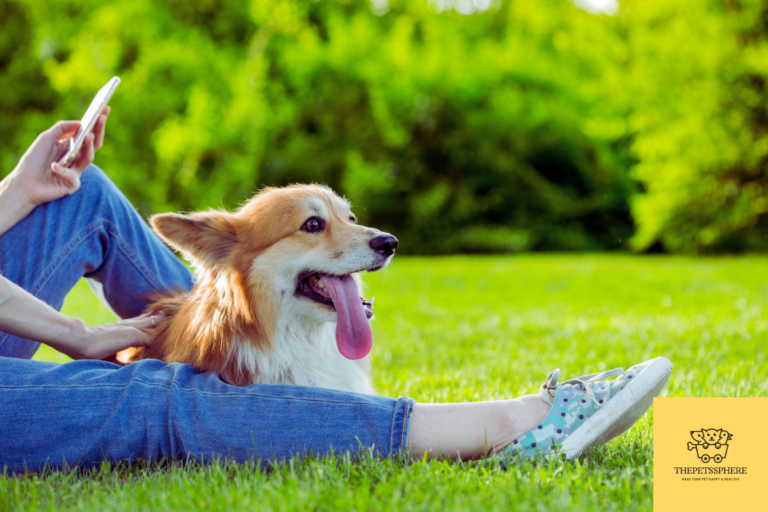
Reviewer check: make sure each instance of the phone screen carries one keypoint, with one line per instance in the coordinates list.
(89, 120)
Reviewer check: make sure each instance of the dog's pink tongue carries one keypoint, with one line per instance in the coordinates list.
(353, 332)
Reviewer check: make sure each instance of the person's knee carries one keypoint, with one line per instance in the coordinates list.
(94, 179)
(101, 194)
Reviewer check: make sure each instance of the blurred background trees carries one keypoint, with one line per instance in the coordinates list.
(700, 119)
(460, 126)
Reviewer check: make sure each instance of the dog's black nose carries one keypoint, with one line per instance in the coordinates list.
(384, 244)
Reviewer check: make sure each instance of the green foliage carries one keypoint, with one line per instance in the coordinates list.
(699, 71)
(523, 127)
(458, 133)
(480, 328)
(442, 124)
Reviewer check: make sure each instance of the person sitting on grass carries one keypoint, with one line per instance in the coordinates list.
(59, 224)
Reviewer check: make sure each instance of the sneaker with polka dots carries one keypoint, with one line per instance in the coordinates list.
(590, 411)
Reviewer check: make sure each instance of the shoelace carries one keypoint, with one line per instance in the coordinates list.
(550, 385)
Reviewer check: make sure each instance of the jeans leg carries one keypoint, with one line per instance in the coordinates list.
(90, 411)
(95, 233)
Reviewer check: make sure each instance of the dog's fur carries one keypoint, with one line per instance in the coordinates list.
(245, 318)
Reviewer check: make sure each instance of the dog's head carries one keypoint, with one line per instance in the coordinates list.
(295, 254)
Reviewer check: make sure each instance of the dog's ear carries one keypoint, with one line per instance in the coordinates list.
(203, 237)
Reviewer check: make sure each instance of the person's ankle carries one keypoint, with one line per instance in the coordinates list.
(536, 410)
(525, 413)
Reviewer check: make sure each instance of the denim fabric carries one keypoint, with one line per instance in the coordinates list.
(95, 233)
(89, 411)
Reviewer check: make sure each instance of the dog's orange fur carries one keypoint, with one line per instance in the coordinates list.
(227, 303)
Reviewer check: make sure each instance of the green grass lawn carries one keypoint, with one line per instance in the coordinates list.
(482, 328)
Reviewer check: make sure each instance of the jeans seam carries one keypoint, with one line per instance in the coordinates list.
(89, 230)
(406, 423)
(126, 251)
(198, 392)
(402, 432)
(400, 421)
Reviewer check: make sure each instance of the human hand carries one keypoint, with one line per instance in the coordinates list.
(39, 178)
(101, 341)
(24, 315)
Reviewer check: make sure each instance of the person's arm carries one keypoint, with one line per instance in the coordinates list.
(12, 206)
(26, 316)
(38, 178)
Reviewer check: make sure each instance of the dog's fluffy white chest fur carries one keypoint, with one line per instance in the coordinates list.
(303, 358)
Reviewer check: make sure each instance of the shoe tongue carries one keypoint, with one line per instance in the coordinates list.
(353, 332)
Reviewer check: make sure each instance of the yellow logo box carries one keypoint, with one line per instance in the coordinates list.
(710, 454)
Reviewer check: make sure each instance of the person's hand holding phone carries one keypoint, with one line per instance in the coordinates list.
(52, 165)
(39, 176)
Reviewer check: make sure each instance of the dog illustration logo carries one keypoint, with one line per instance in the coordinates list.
(711, 444)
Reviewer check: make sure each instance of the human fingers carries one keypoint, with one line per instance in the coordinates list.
(98, 132)
(138, 338)
(62, 129)
(99, 129)
(113, 338)
(86, 155)
(70, 176)
(145, 321)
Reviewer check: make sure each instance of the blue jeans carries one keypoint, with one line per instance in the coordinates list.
(89, 411)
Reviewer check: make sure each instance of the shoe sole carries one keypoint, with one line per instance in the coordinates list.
(621, 412)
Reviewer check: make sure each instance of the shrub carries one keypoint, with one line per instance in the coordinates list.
(488, 132)
(699, 72)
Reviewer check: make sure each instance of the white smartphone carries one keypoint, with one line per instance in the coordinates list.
(89, 120)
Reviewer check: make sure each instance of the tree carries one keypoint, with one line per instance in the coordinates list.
(489, 132)
(698, 73)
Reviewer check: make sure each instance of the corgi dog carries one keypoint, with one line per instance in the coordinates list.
(277, 293)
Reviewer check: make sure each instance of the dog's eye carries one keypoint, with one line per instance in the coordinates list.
(352, 219)
(313, 225)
